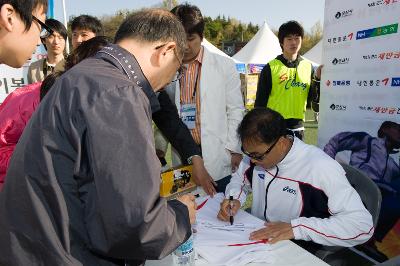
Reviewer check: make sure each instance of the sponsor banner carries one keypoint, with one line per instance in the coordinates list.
(255, 68)
(382, 56)
(379, 31)
(360, 94)
(241, 68)
(250, 82)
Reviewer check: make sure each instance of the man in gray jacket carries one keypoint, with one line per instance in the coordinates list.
(83, 184)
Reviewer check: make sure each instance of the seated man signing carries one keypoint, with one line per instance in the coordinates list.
(301, 192)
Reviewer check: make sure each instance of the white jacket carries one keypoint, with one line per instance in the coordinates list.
(222, 110)
(312, 193)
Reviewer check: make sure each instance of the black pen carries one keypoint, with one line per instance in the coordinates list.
(230, 209)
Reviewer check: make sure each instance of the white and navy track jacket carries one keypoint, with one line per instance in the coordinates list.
(311, 192)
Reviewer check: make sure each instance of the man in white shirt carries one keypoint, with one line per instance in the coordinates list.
(209, 102)
(300, 191)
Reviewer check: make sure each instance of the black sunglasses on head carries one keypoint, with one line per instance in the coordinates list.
(45, 31)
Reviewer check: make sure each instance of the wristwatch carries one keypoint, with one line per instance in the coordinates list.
(190, 159)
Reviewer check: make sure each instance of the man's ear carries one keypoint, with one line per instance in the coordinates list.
(165, 53)
(8, 16)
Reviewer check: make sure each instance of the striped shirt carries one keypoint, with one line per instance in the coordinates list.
(190, 91)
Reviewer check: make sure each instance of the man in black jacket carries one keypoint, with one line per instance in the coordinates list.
(167, 119)
(83, 184)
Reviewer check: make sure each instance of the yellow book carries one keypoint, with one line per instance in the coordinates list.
(177, 181)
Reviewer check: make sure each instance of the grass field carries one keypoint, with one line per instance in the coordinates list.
(311, 126)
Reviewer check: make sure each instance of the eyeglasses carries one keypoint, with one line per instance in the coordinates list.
(181, 69)
(260, 157)
(45, 30)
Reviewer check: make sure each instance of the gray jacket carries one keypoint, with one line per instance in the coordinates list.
(83, 183)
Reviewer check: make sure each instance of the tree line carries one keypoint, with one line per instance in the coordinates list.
(216, 30)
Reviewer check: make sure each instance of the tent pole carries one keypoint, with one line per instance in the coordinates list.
(65, 23)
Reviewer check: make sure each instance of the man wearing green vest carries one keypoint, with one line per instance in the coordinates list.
(289, 80)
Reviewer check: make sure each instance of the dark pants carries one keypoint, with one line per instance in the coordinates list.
(222, 183)
(389, 214)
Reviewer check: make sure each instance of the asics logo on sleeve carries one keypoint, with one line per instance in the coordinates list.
(290, 190)
(262, 176)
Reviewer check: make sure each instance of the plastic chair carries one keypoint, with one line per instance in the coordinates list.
(370, 196)
(367, 189)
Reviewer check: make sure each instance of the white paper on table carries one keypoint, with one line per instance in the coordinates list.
(213, 236)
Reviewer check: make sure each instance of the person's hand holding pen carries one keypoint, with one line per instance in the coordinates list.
(228, 208)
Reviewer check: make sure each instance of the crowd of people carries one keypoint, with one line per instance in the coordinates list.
(80, 161)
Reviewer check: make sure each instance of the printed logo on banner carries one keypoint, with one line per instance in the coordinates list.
(338, 107)
(340, 39)
(383, 56)
(343, 14)
(382, 2)
(340, 61)
(255, 68)
(372, 83)
(395, 82)
(336, 83)
(381, 110)
(7, 83)
(376, 32)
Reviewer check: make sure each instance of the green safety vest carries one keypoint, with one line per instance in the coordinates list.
(290, 87)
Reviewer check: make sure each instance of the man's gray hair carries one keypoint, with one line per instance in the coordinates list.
(153, 25)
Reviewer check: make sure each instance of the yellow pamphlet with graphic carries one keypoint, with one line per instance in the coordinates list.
(177, 181)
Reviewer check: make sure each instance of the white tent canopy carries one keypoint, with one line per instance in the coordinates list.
(315, 54)
(261, 49)
(215, 49)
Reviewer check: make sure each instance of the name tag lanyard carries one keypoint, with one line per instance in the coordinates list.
(196, 84)
(188, 110)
